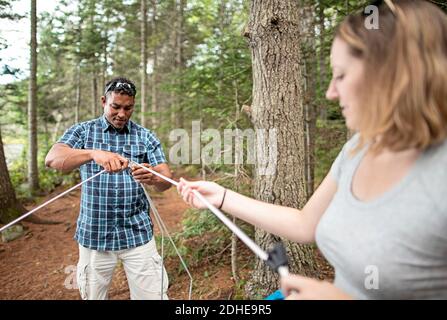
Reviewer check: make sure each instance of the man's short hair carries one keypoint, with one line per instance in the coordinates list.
(120, 85)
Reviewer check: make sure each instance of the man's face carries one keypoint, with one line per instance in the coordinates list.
(118, 108)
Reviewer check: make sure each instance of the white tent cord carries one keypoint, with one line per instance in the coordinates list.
(234, 228)
(49, 201)
(163, 230)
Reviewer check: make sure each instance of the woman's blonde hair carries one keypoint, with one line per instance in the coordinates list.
(405, 81)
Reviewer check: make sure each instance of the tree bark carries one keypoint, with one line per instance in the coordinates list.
(10, 208)
(322, 58)
(78, 92)
(176, 116)
(179, 58)
(94, 71)
(94, 92)
(154, 91)
(105, 62)
(308, 42)
(273, 34)
(143, 45)
(237, 165)
(33, 174)
(78, 67)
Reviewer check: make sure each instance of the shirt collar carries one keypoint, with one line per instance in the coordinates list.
(106, 125)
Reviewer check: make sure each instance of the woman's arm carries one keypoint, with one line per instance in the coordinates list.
(293, 224)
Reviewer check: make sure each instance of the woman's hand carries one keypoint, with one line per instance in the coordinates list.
(143, 176)
(295, 287)
(210, 191)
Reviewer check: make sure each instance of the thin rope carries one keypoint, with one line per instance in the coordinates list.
(157, 216)
(233, 227)
(164, 230)
(49, 201)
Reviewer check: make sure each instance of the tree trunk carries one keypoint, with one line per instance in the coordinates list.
(105, 53)
(78, 92)
(172, 94)
(94, 92)
(278, 105)
(154, 91)
(143, 44)
(10, 208)
(179, 58)
(322, 58)
(33, 174)
(222, 20)
(237, 165)
(176, 116)
(307, 27)
(78, 67)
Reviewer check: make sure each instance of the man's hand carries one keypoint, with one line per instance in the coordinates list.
(110, 161)
(143, 176)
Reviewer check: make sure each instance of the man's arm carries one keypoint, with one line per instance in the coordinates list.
(148, 178)
(64, 158)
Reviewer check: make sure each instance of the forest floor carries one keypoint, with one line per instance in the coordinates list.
(42, 264)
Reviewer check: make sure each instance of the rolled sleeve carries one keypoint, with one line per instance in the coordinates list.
(155, 152)
(74, 137)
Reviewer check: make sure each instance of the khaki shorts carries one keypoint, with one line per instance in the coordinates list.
(143, 267)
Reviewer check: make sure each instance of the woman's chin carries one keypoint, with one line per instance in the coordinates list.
(350, 124)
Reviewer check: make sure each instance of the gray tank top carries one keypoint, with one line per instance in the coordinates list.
(395, 246)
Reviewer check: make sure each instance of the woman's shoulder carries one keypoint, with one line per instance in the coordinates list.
(436, 155)
(433, 173)
(350, 145)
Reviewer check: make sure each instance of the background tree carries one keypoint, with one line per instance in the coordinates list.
(278, 104)
(33, 174)
(308, 24)
(10, 207)
(199, 67)
(143, 60)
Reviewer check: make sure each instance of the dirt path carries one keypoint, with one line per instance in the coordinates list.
(41, 264)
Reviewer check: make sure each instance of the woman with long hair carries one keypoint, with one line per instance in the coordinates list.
(380, 215)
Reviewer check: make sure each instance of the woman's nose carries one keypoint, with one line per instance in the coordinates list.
(332, 93)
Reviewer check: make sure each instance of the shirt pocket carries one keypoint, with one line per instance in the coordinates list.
(137, 153)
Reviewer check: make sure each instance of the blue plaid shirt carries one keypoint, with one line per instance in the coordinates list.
(114, 211)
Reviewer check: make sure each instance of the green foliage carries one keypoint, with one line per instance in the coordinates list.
(49, 179)
(331, 136)
(203, 238)
(5, 13)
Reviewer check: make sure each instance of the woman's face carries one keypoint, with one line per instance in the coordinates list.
(347, 75)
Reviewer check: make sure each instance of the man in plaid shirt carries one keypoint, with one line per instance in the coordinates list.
(114, 222)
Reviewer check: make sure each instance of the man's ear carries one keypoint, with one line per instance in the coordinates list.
(103, 101)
